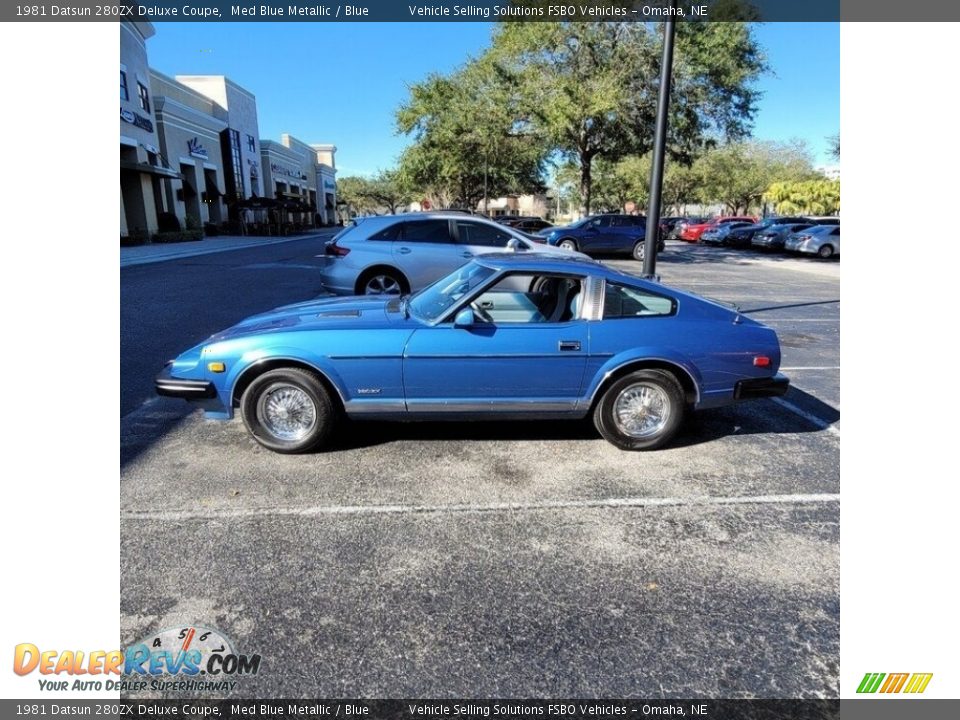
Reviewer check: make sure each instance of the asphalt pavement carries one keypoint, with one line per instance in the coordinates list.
(491, 559)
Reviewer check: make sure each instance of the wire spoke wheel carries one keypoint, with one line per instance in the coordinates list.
(287, 412)
(641, 410)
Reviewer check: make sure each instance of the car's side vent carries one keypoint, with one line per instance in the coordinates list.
(339, 313)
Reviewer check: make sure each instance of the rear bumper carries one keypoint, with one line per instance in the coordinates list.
(169, 386)
(775, 386)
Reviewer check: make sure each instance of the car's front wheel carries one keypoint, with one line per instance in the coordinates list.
(641, 411)
(826, 252)
(288, 410)
(567, 244)
(639, 250)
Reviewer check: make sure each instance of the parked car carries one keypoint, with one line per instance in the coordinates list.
(742, 236)
(683, 222)
(532, 225)
(510, 335)
(397, 254)
(691, 232)
(599, 234)
(822, 240)
(718, 234)
(825, 220)
(773, 237)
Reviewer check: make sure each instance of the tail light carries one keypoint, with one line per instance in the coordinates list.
(336, 250)
(761, 361)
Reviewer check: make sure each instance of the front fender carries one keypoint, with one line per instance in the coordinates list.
(249, 360)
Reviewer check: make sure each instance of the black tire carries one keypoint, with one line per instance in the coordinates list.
(568, 244)
(664, 388)
(290, 386)
(391, 282)
(825, 252)
(639, 250)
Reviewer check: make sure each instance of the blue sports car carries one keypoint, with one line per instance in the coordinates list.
(508, 335)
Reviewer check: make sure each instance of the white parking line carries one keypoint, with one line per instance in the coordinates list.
(321, 510)
(817, 421)
(772, 320)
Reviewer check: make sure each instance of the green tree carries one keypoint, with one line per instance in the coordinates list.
(468, 142)
(738, 174)
(590, 89)
(353, 192)
(811, 197)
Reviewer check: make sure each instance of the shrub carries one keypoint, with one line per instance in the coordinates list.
(180, 236)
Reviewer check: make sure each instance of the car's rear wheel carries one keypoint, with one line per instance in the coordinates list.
(568, 244)
(826, 252)
(382, 281)
(288, 410)
(639, 250)
(641, 411)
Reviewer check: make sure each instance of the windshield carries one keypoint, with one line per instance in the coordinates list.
(432, 302)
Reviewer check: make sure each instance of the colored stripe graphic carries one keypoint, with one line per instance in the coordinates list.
(894, 682)
(870, 682)
(918, 682)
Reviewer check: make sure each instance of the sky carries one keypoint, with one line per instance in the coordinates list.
(341, 83)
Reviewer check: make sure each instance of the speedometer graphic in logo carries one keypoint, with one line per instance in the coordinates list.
(192, 646)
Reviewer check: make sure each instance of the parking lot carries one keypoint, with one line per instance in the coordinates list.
(501, 559)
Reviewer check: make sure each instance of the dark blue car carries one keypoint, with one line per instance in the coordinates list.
(602, 234)
(512, 335)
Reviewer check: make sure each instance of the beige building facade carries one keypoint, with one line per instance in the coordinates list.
(189, 128)
(144, 176)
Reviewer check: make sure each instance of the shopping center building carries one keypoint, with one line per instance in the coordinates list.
(191, 155)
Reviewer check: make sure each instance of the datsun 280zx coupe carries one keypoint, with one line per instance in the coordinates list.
(511, 335)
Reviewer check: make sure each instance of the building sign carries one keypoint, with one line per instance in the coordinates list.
(196, 149)
(134, 119)
(280, 170)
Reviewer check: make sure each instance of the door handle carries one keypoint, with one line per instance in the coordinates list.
(403, 250)
(569, 345)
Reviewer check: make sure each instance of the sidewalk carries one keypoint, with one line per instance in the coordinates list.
(144, 254)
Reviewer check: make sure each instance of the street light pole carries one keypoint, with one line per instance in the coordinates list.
(659, 147)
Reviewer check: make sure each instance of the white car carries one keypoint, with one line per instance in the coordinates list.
(821, 240)
(399, 254)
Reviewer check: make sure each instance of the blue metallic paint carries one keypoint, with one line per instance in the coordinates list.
(383, 364)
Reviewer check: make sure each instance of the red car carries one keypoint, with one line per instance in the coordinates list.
(692, 233)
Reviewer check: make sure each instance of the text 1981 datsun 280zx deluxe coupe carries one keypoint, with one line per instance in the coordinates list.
(512, 335)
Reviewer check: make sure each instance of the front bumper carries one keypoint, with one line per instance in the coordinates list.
(169, 386)
(775, 386)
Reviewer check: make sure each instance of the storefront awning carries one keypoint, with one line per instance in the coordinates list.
(188, 189)
(213, 192)
(151, 169)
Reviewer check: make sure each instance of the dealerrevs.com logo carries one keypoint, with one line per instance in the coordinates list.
(910, 683)
(188, 659)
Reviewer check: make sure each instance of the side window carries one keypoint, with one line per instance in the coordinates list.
(837, 232)
(600, 222)
(472, 233)
(426, 231)
(621, 301)
(620, 221)
(387, 234)
(525, 298)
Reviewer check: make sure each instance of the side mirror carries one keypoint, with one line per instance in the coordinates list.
(513, 245)
(464, 318)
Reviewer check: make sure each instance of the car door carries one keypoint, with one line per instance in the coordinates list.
(623, 234)
(594, 237)
(526, 351)
(425, 250)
